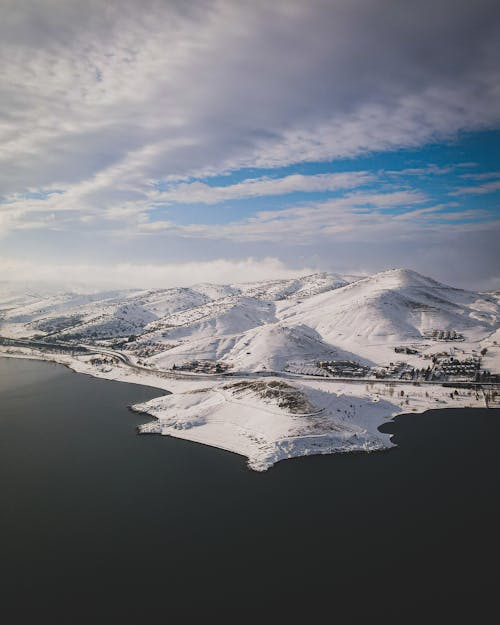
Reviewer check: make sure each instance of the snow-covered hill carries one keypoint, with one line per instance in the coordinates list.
(395, 306)
(384, 342)
(260, 325)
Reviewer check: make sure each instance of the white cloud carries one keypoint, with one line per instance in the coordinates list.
(164, 275)
(479, 189)
(106, 100)
(354, 216)
(199, 192)
(482, 176)
(357, 218)
(216, 85)
(105, 197)
(431, 169)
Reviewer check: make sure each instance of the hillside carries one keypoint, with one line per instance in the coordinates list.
(269, 325)
(396, 306)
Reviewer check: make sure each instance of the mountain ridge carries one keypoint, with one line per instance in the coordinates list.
(259, 325)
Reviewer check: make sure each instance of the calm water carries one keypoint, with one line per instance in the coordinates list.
(98, 525)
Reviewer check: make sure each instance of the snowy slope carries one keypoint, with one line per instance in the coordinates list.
(260, 325)
(275, 346)
(275, 290)
(207, 332)
(390, 307)
(268, 421)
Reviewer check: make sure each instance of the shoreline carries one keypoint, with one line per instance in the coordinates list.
(211, 412)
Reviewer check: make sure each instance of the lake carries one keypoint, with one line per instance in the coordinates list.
(99, 525)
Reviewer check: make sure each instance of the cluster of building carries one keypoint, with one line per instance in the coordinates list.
(344, 368)
(301, 368)
(404, 349)
(443, 335)
(450, 367)
(202, 366)
(106, 360)
(397, 370)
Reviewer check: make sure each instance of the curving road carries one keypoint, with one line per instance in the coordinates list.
(127, 361)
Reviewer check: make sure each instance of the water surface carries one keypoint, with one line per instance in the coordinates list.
(99, 525)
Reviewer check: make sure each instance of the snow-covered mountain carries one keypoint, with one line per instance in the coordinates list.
(392, 307)
(260, 325)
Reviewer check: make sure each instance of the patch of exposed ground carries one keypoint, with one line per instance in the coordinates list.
(280, 393)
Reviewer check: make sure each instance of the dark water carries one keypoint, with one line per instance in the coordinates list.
(98, 525)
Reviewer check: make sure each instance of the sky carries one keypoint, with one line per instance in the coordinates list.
(164, 142)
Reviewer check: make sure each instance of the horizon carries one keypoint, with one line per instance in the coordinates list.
(89, 287)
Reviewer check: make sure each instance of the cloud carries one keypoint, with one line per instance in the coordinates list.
(482, 176)
(109, 108)
(83, 202)
(354, 216)
(429, 170)
(357, 218)
(136, 275)
(176, 89)
(479, 189)
(199, 192)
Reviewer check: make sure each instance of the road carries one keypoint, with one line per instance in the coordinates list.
(127, 361)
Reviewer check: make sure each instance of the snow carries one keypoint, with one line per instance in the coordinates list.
(346, 418)
(263, 432)
(370, 316)
(269, 328)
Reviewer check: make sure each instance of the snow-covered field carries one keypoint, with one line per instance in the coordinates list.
(265, 328)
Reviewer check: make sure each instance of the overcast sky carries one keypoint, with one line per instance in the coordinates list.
(156, 142)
